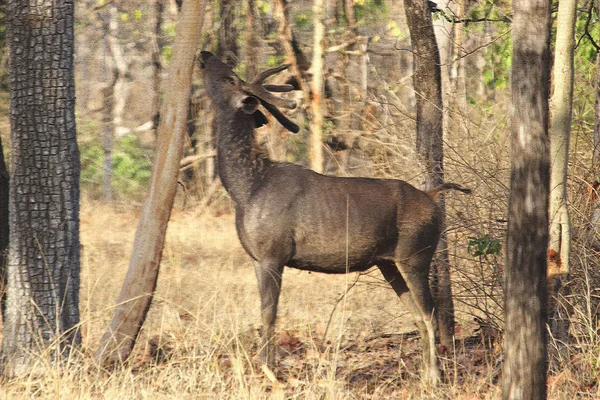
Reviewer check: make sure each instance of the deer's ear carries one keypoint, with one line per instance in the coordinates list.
(259, 119)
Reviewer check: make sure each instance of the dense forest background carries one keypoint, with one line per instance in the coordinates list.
(369, 129)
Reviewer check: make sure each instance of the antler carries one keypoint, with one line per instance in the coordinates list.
(258, 88)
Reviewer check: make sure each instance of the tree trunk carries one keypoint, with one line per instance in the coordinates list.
(316, 103)
(140, 281)
(42, 302)
(4, 189)
(296, 59)
(115, 97)
(159, 7)
(252, 42)
(524, 375)
(227, 51)
(108, 135)
(597, 105)
(350, 16)
(456, 95)
(427, 82)
(227, 48)
(298, 68)
(560, 132)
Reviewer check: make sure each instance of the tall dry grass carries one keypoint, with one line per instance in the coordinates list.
(339, 336)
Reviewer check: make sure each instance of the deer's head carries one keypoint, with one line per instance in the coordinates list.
(226, 89)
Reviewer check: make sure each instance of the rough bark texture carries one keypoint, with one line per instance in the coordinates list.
(42, 303)
(560, 132)
(317, 84)
(524, 375)
(140, 281)
(427, 81)
(4, 188)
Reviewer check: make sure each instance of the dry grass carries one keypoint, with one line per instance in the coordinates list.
(340, 337)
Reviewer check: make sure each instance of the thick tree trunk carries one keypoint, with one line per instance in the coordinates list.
(4, 192)
(42, 302)
(427, 82)
(140, 281)
(316, 103)
(560, 132)
(524, 375)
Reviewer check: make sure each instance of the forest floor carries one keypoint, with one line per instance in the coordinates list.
(339, 337)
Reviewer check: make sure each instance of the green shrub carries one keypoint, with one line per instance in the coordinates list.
(132, 167)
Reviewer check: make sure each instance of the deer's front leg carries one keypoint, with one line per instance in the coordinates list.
(268, 274)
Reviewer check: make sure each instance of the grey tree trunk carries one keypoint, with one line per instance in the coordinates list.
(138, 289)
(42, 302)
(560, 132)
(427, 81)
(524, 375)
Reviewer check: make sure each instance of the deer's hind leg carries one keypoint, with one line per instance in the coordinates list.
(411, 284)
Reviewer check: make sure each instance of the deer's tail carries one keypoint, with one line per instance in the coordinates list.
(447, 186)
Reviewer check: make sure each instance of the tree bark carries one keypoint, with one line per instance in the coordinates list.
(42, 301)
(560, 132)
(524, 375)
(316, 103)
(114, 97)
(296, 59)
(252, 42)
(108, 134)
(427, 83)
(4, 229)
(140, 281)
(227, 48)
(159, 7)
(597, 104)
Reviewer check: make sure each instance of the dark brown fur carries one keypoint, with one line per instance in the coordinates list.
(287, 215)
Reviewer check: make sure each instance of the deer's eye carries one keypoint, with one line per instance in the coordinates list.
(230, 80)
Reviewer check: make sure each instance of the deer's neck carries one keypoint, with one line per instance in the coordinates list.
(241, 164)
